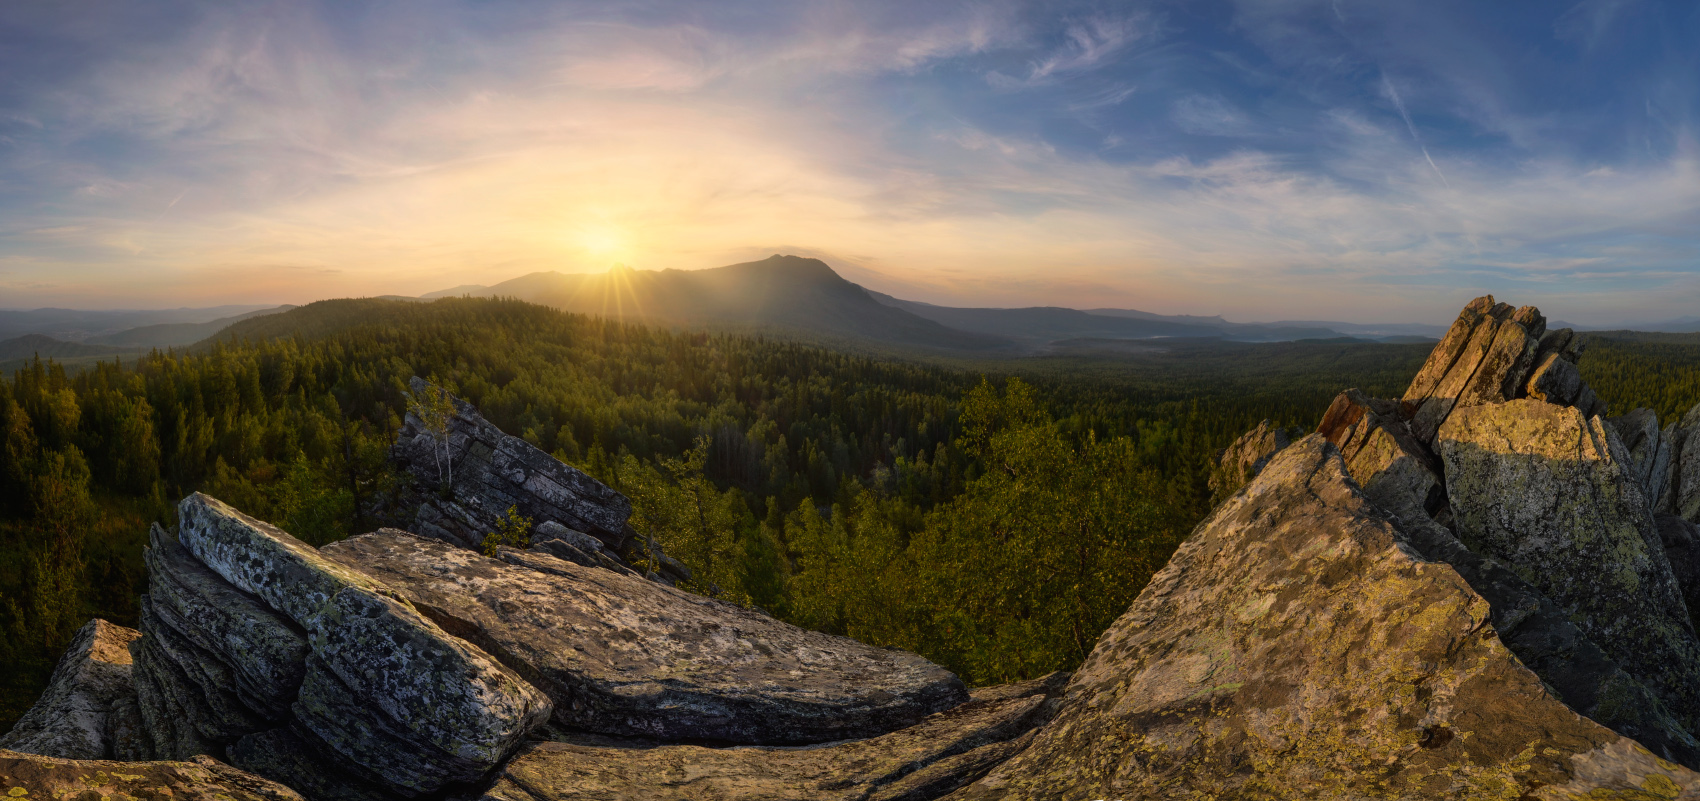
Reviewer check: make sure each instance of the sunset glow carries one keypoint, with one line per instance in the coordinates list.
(1252, 158)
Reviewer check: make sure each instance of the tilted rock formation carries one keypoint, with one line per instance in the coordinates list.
(925, 761)
(1401, 476)
(26, 776)
(1555, 496)
(1685, 502)
(624, 656)
(1381, 453)
(1653, 452)
(250, 633)
(1492, 354)
(1681, 540)
(576, 547)
(487, 472)
(1297, 646)
(89, 708)
(1242, 460)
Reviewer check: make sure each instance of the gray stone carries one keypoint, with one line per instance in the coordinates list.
(576, 547)
(81, 714)
(408, 678)
(1681, 540)
(264, 652)
(28, 776)
(1296, 646)
(624, 656)
(1687, 472)
(1241, 461)
(300, 762)
(493, 471)
(1555, 381)
(1554, 495)
(1639, 432)
(201, 687)
(935, 756)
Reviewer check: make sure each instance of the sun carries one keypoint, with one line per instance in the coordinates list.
(603, 241)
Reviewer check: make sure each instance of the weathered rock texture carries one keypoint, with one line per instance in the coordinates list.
(1492, 354)
(250, 633)
(624, 656)
(89, 708)
(492, 472)
(1242, 461)
(1557, 498)
(1296, 646)
(1685, 501)
(1400, 475)
(26, 776)
(925, 761)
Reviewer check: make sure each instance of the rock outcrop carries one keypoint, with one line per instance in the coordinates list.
(1492, 354)
(1685, 493)
(624, 656)
(256, 644)
(28, 776)
(89, 708)
(485, 472)
(1242, 461)
(925, 761)
(1297, 646)
(1555, 496)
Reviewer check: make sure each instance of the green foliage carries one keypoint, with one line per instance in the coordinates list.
(992, 516)
(1630, 370)
(513, 530)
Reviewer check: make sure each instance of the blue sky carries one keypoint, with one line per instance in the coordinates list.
(1260, 159)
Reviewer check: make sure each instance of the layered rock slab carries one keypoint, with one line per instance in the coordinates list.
(625, 656)
(254, 631)
(88, 710)
(925, 761)
(1296, 646)
(28, 776)
(487, 472)
(1556, 496)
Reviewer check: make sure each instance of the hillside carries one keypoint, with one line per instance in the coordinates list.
(799, 296)
(167, 335)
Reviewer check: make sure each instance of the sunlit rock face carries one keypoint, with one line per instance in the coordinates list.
(89, 708)
(1297, 645)
(467, 475)
(29, 776)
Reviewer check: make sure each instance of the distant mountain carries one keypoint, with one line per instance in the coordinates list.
(800, 295)
(76, 325)
(29, 346)
(1039, 325)
(169, 335)
(475, 290)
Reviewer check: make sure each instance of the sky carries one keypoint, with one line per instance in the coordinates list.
(1261, 159)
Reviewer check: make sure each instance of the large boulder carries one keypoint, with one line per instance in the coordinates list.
(1382, 454)
(89, 708)
(311, 673)
(486, 472)
(1296, 646)
(384, 686)
(26, 776)
(1653, 453)
(625, 656)
(1556, 496)
(925, 761)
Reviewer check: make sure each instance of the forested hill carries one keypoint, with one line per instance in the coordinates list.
(992, 524)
